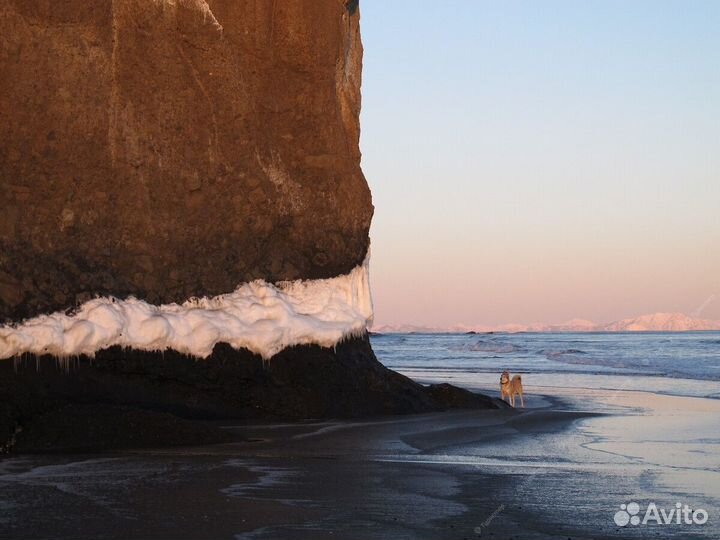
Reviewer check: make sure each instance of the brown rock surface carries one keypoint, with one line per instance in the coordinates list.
(176, 148)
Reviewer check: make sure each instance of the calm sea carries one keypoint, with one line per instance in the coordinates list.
(686, 363)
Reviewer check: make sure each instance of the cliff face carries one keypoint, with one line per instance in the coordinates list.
(176, 148)
(170, 149)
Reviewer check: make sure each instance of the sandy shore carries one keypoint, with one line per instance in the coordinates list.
(548, 472)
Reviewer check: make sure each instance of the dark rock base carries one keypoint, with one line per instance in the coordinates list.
(97, 427)
(128, 389)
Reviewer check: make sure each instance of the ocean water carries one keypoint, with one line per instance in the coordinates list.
(652, 435)
(683, 364)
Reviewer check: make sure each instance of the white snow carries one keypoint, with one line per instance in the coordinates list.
(259, 316)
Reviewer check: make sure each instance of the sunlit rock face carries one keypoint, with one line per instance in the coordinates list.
(170, 149)
(184, 224)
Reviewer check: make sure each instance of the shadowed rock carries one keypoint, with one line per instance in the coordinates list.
(299, 383)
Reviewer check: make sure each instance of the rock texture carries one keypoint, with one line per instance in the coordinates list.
(170, 149)
(299, 383)
(176, 148)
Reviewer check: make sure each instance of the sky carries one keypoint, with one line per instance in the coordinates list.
(542, 161)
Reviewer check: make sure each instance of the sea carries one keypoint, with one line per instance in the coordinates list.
(682, 363)
(651, 440)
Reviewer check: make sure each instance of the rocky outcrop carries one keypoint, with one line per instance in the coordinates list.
(299, 383)
(176, 148)
(173, 150)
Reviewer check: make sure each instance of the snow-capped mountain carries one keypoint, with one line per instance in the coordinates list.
(662, 322)
(654, 322)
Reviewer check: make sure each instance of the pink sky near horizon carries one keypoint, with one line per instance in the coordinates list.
(513, 283)
(521, 174)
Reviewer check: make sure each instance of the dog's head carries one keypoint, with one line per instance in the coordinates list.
(505, 377)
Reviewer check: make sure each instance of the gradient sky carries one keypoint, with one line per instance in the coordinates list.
(541, 161)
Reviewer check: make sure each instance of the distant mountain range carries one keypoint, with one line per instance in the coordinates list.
(654, 322)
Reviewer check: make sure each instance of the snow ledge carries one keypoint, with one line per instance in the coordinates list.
(258, 316)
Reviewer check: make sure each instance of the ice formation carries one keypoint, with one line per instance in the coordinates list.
(259, 316)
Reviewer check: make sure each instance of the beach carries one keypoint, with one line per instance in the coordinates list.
(268, 272)
(559, 469)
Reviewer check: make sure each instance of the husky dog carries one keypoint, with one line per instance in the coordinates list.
(510, 387)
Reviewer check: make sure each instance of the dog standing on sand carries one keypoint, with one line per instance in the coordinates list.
(510, 387)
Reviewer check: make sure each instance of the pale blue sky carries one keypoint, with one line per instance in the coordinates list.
(539, 161)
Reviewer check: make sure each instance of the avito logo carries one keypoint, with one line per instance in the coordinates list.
(629, 514)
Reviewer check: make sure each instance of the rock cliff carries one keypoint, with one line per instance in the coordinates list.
(164, 152)
(176, 148)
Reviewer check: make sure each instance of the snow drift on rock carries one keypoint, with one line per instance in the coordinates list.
(259, 316)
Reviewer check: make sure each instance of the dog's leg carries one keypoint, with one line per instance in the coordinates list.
(512, 400)
(522, 401)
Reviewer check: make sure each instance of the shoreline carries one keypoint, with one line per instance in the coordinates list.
(439, 475)
(424, 376)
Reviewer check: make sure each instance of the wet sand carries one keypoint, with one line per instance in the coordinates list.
(555, 471)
